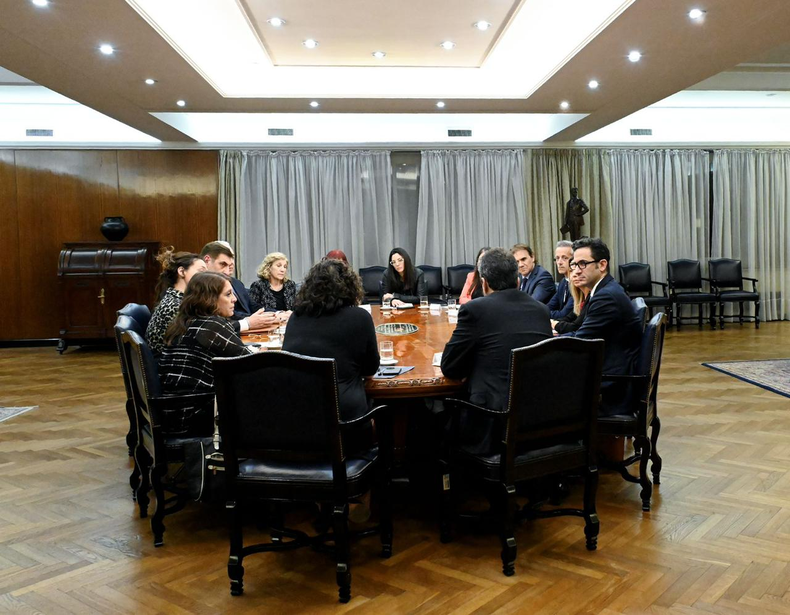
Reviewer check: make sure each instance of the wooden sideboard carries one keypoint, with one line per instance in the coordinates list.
(97, 279)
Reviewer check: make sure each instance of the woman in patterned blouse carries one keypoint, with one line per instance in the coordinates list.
(177, 269)
(273, 290)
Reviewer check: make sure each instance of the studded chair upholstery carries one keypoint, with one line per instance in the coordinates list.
(635, 278)
(546, 428)
(283, 440)
(456, 278)
(160, 455)
(139, 312)
(371, 283)
(643, 422)
(685, 288)
(727, 279)
(433, 280)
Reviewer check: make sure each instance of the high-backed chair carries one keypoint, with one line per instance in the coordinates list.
(433, 280)
(635, 278)
(283, 440)
(456, 278)
(685, 288)
(727, 279)
(371, 283)
(643, 422)
(157, 450)
(640, 307)
(141, 313)
(547, 428)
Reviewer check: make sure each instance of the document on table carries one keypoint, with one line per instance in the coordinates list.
(437, 359)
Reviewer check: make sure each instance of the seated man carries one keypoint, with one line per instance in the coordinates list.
(532, 278)
(610, 316)
(219, 258)
(561, 303)
(488, 329)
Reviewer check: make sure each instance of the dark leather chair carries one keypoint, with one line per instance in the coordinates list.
(640, 307)
(433, 280)
(371, 283)
(157, 449)
(283, 440)
(546, 429)
(643, 423)
(456, 278)
(685, 288)
(727, 279)
(635, 278)
(139, 312)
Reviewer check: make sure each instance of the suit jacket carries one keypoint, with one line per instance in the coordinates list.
(407, 295)
(245, 306)
(611, 317)
(561, 303)
(572, 321)
(539, 284)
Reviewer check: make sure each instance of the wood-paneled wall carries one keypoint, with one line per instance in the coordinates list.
(51, 196)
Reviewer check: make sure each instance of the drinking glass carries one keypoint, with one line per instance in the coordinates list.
(275, 339)
(423, 302)
(452, 316)
(387, 302)
(450, 303)
(386, 351)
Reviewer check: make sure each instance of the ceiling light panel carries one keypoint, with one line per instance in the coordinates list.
(224, 43)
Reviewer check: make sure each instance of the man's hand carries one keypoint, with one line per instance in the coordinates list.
(282, 317)
(263, 320)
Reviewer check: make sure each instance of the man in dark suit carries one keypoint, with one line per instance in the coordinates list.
(488, 329)
(532, 278)
(561, 303)
(609, 316)
(219, 257)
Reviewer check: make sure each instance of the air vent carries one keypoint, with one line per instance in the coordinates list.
(39, 132)
(459, 133)
(641, 132)
(281, 132)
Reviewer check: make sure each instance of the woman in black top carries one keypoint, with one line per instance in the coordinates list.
(326, 322)
(273, 290)
(402, 282)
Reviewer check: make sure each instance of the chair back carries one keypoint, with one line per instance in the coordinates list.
(726, 273)
(271, 404)
(635, 278)
(648, 364)
(125, 323)
(433, 279)
(371, 280)
(640, 307)
(542, 409)
(456, 278)
(684, 273)
(140, 313)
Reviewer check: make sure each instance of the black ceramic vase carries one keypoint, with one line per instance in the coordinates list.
(114, 228)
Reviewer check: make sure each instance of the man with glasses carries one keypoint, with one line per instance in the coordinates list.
(561, 303)
(609, 316)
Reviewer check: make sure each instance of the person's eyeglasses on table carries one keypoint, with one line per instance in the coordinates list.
(582, 265)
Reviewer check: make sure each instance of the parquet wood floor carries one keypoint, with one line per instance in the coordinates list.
(716, 541)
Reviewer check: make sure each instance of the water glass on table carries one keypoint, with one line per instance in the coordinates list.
(386, 351)
(450, 303)
(423, 302)
(386, 302)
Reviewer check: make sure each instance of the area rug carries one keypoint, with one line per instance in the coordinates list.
(8, 412)
(770, 374)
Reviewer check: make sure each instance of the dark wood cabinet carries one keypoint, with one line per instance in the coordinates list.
(99, 278)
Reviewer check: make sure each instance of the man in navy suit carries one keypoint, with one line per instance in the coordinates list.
(561, 303)
(532, 278)
(609, 316)
(219, 257)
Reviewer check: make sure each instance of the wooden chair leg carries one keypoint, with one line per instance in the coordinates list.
(385, 513)
(721, 315)
(592, 526)
(157, 521)
(740, 312)
(699, 314)
(447, 508)
(712, 315)
(235, 561)
(343, 571)
(647, 486)
(134, 480)
(142, 463)
(756, 314)
(655, 458)
(507, 530)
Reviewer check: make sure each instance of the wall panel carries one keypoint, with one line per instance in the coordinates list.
(9, 240)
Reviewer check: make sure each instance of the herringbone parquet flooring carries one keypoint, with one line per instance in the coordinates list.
(716, 541)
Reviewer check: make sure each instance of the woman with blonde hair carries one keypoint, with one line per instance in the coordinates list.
(273, 290)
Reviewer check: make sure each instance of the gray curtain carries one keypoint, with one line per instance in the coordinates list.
(306, 203)
(469, 199)
(751, 221)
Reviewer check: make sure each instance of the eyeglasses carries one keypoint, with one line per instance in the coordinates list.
(394, 262)
(582, 265)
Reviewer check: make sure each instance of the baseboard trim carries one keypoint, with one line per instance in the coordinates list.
(31, 343)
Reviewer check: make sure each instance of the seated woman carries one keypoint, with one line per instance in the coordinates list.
(273, 290)
(575, 318)
(177, 269)
(326, 323)
(402, 282)
(472, 288)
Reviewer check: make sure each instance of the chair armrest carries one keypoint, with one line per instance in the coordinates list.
(754, 283)
(751, 279)
(625, 377)
(182, 401)
(459, 403)
(362, 419)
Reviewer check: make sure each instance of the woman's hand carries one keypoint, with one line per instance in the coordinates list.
(397, 302)
(388, 296)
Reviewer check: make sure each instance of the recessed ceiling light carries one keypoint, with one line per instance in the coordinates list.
(440, 104)
(593, 85)
(635, 56)
(41, 2)
(379, 55)
(315, 104)
(276, 22)
(696, 13)
(106, 49)
(181, 103)
(310, 43)
(150, 81)
(565, 105)
(481, 25)
(447, 45)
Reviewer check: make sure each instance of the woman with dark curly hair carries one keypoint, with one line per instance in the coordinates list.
(327, 323)
(402, 282)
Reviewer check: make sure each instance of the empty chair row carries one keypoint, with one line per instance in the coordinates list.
(456, 277)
